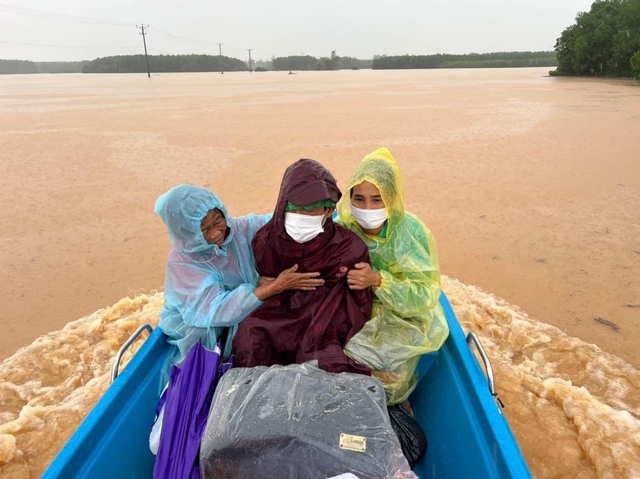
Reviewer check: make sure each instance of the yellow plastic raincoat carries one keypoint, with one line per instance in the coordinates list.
(407, 320)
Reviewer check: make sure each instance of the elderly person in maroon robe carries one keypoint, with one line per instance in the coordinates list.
(299, 326)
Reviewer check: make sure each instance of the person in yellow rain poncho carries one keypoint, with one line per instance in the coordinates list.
(407, 320)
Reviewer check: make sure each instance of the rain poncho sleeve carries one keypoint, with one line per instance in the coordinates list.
(207, 287)
(411, 285)
(407, 320)
(202, 299)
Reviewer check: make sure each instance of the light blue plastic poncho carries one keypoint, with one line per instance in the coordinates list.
(207, 287)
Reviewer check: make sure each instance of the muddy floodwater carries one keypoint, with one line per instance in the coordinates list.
(530, 184)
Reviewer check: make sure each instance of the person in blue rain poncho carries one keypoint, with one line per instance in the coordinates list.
(211, 282)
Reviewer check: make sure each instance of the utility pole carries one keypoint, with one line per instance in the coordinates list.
(144, 41)
(220, 48)
(249, 50)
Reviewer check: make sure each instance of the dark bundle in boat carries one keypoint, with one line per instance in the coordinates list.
(299, 421)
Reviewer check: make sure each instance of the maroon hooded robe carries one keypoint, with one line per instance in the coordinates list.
(298, 326)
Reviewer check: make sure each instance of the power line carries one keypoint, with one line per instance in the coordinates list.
(48, 15)
(234, 48)
(270, 54)
(32, 12)
(160, 51)
(67, 46)
(182, 39)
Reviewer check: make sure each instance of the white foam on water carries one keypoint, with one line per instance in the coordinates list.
(574, 409)
(48, 387)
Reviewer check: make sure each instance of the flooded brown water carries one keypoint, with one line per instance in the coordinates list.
(530, 184)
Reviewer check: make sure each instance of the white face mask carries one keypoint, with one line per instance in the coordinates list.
(369, 219)
(303, 228)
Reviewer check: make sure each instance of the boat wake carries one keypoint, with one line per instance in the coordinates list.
(574, 409)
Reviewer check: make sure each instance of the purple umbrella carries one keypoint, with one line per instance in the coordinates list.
(187, 403)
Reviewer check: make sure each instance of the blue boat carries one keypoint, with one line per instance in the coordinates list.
(455, 402)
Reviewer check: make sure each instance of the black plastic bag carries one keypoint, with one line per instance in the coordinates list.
(410, 433)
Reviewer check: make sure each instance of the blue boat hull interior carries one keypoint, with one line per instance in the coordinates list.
(468, 437)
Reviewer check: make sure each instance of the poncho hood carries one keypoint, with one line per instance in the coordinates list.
(182, 209)
(380, 169)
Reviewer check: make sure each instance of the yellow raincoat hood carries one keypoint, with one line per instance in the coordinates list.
(380, 169)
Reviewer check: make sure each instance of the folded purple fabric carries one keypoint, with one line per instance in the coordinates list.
(188, 399)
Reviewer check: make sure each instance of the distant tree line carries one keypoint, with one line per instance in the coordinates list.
(307, 62)
(352, 63)
(295, 62)
(8, 67)
(214, 63)
(17, 67)
(603, 42)
(164, 63)
(60, 67)
(127, 64)
(470, 60)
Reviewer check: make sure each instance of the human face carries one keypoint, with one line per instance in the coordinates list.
(367, 196)
(214, 227)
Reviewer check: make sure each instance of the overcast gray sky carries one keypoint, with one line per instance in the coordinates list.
(360, 28)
